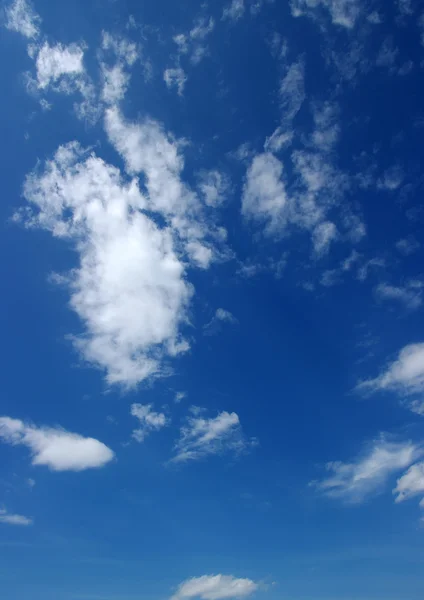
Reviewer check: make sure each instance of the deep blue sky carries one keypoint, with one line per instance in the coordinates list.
(212, 308)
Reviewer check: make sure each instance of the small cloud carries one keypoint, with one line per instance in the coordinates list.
(179, 396)
(175, 78)
(55, 448)
(410, 295)
(408, 245)
(410, 484)
(215, 587)
(404, 376)
(20, 17)
(11, 519)
(149, 421)
(31, 482)
(201, 437)
(221, 316)
(234, 11)
(354, 482)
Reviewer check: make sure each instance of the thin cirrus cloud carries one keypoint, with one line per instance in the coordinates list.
(215, 587)
(410, 484)
(201, 437)
(409, 295)
(13, 519)
(404, 376)
(343, 13)
(221, 316)
(55, 448)
(149, 420)
(367, 476)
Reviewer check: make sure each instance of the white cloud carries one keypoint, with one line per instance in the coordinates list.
(411, 483)
(54, 62)
(322, 236)
(214, 186)
(215, 587)
(221, 316)
(175, 78)
(327, 129)
(149, 421)
(115, 83)
(129, 289)
(354, 482)
(408, 245)
(179, 396)
(278, 140)
(343, 13)
(148, 150)
(55, 448)
(264, 195)
(404, 376)
(20, 17)
(11, 519)
(234, 11)
(125, 50)
(201, 437)
(409, 295)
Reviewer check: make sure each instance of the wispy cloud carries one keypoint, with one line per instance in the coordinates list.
(404, 376)
(149, 421)
(201, 437)
(22, 18)
(55, 448)
(411, 483)
(409, 295)
(354, 482)
(12, 519)
(221, 316)
(234, 11)
(175, 78)
(215, 587)
(343, 13)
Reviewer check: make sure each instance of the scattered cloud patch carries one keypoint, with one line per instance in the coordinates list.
(323, 235)
(408, 245)
(404, 376)
(411, 483)
(55, 448)
(149, 420)
(221, 316)
(21, 17)
(175, 78)
(11, 519)
(410, 295)
(179, 396)
(54, 62)
(343, 13)
(214, 187)
(201, 437)
(355, 482)
(234, 11)
(215, 587)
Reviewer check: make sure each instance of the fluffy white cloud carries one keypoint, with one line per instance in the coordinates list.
(54, 62)
(404, 376)
(411, 483)
(264, 195)
(354, 482)
(409, 295)
(129, 288)
(234, 11)
(20, 17)
(149, 420)
(11, 519)
(201, 437)
(55, 448)
(123, 49)
(215, 587)
(342, 12)
(148, 150)
(175, 78)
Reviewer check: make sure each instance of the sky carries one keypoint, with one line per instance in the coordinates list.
(212, 310)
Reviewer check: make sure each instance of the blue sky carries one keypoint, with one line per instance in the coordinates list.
(211, 249)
